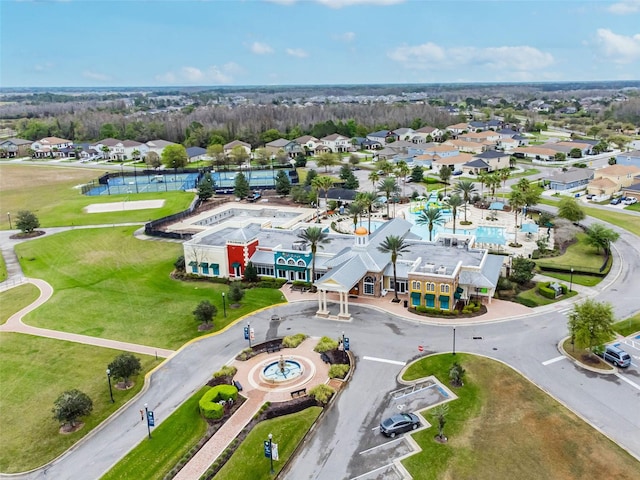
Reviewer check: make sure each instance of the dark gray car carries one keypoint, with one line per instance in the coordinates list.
(400, 423)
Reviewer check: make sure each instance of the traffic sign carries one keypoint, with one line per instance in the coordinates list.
(150, 419)
(252, 334)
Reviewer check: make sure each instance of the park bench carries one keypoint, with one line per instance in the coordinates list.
(238, 385)
(274, 348)
(325, 358)
(299, 393)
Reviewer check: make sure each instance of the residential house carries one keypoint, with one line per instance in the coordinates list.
(629, 158)
(383, 136)
(227, 148)
(428, 133)
(535, 153)
(87, 153)
(496, 159)
(289, 147)
(458, 128)
(523, 140)
(469, 147)
(196, 154)
(50, 147)
(487, 137)
(441, 149)
(572, 178)
(602, 187)
(15, 148)
(133, 149)
(308, 143)
(567, 147)
(361, 143)
(404, 133)
(476, 166)
(622, 176)
(337, 143)
(158, 146)
(486, 125)
(508, 143)
(455, 162)
(632, 191)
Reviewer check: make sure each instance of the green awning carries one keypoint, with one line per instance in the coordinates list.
(193, 263)
(444, 298)
(415, 296)
(457, 295)
(235, 264)
(204, 264)
(459, 290)
(430, 296)
(214, 265)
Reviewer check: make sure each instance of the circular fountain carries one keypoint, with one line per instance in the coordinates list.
(281, 371)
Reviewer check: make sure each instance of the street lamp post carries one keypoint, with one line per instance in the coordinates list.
(249, 333)
(271, 452)
(454, 340)
(224, 305)
(146, 412)
(571, 281)
(344, 351)
(9, 217)
(109, 380)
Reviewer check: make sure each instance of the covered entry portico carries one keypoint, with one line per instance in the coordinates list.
(343, 299)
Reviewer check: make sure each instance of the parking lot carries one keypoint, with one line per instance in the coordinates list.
(376, 459)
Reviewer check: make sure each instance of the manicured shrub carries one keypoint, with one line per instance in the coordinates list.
(209, 406)
(325, 344)
(292, 341)
(338, 370)
(226, 371)
(322, 393)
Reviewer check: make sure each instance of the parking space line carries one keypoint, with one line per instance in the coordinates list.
(384, 360)
(633, 384)
(373, 471)
(553, 360)
(381, 445)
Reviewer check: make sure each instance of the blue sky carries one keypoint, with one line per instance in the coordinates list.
(289, 42)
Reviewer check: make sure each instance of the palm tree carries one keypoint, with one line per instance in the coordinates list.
(356, 210)
(517, 200)
(367, 199)
(445, 175)
(465, 188)
(403, 171)
(504, 175)
(105, 152)
(389, 187)
(323, 182)
(493, 182)
(396, 246)
(315, 237)
(430, 217)
(453, 203)
(374, 177)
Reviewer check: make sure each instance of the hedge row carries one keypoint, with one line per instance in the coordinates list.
(209, 406)
(545, 290)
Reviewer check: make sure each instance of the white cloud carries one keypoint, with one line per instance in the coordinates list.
(345, 37)
(620, 48)
(625, 7)
(100, 77)
(260, 48)
(196, 76)
(514, 60)
(297, 52)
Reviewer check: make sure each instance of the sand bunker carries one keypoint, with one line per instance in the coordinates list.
(123, 206)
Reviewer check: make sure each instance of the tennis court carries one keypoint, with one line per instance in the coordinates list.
(143, 183)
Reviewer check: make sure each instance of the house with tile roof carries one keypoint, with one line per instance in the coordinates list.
(572, 178)
(227, 148)
(290, 147)
(495, 159)
(432, 132)
(15, 147)
(50, 147)
(308, 143)
(458, 128)
(487, 137)
(158, 145)
(383, 136)
(621, 176)
(337, 143)
(631, 158)
(535, 153)
(468, 147)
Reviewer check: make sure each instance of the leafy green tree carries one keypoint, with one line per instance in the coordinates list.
(301, 160)
(315, 237)
(456, 374)
(445, 174)
(454, 203)
(261, 156)
(590, 323)
(351, 182)
(251, 273)
(283, 184)
(396, 246)
(270, 135)
(601, 237)
(389, 187)
(70, 406)
(439, 414)
(174, 156)
(326, 160)
(26, 221)
(417, 174)
(465, 188)
(367, 200)
(373, 178)
(521, 270)
(206, 187)
(311, 174)
(152, 159)
(430, 217)
(241, 186)
(354, 160)
(217, 155)
(345, 171)
(568, 208)
(109, 130)
(205, 312)
(180, 264)
(239, 155)
(560, 157)
(575, 153)
(504, 175)
(236, 292)
(125, 366)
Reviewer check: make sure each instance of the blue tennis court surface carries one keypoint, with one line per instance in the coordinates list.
(142, 183)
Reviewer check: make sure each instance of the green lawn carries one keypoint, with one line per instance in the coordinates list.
(628, 326)
(3, 269)
(109, 284)
(15, 299)
(155, 457)
(59, 202)
(532, 296)
(33, 372)
(249, 462)
(503, 427)
(526, 173)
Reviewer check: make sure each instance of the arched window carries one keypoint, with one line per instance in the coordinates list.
(444, 288)
(301, 263)
(369, 285)
(291, 261)
(281, 261)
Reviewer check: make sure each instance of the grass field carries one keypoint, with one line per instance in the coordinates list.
(248, 461)
(15, 299)
(155, 457)
(109, 284)
(503, 427)
(628, 326)
(3, 269)
(33, 372)
(58, 201)
(533, 296)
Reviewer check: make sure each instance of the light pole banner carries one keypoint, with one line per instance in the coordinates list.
(267, 449)
(274, 451)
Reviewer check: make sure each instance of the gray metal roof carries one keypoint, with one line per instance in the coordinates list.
(263, 257)
(491, 154)
(347, 274)
(488, 275)
(572, 175)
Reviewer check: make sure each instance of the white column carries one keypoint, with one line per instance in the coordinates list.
(320, 300)
(346, 303)
(324, 300)
(340, 301)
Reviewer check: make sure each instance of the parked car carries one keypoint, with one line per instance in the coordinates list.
(590, 196)
(615, 201)
(400, 423)
(457, 172)
(630, 200)
(617, 356)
